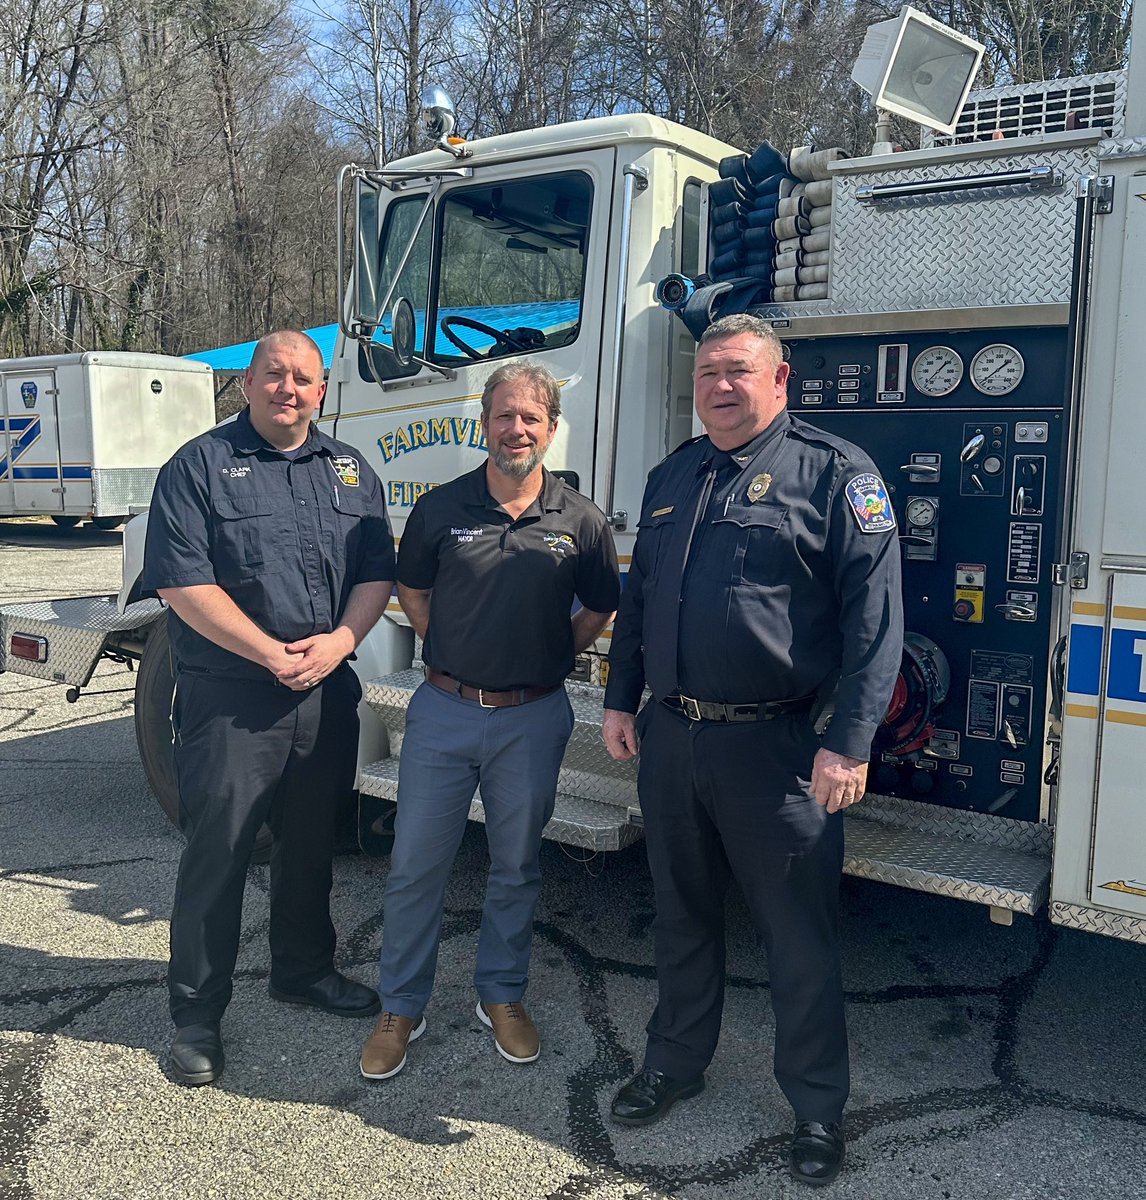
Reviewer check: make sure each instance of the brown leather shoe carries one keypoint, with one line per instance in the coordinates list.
(514, 1034)
(385, 1051)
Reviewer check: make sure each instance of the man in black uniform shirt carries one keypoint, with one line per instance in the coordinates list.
(764, 580)
(488, 570)
(271, 545)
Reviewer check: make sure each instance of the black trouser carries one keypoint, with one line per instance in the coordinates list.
(248, 753)
(723, 800)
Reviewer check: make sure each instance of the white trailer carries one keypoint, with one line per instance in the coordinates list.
(82, 436)
(979, 334)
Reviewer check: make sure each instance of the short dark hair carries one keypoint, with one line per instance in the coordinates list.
(738, 323)
(270, 340)
(540, 378)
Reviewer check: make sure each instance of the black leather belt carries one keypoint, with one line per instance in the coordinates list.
(486, 698)
(767, 710)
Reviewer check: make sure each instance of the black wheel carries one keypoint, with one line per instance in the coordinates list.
(154, 684)
(511, 344)
(66, 522)
(108, 522)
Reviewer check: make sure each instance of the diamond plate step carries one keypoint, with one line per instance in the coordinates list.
(926, 860)
(587, 770)
(575, 822)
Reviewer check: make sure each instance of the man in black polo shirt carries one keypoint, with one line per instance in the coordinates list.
(270, 543)
(488, 569)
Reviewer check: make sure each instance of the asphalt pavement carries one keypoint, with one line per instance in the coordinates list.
(988, 1062)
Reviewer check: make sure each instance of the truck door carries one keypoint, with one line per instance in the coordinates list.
(30, 469)
(501, 270)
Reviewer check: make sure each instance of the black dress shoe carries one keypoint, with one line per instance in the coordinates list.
(817, 1152)
(333, 993)
(649, 1095)
(197, 1054)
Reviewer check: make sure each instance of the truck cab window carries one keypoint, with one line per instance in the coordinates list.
(690, 229)
(512, 272)
(414, 282)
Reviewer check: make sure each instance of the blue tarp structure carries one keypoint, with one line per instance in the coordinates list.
(238, 356)
(545, 316)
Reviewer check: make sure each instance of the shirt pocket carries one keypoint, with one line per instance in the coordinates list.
(760, 536)
(658, 528)
(343, 520)
(251, 536)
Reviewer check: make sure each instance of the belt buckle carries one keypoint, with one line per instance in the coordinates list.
(481, 699)
(690, 708)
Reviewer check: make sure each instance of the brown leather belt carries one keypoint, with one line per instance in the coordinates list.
(485, 697)
(768, 710)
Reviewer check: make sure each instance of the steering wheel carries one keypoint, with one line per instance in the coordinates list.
(500, 339)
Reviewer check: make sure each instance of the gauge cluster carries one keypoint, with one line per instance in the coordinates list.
(961, 370)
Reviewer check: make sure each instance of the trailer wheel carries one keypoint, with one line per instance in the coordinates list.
(154, 684)
(108, 523)
(66, 522)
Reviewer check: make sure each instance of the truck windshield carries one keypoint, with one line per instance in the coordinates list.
(510, 271)
(513, 267)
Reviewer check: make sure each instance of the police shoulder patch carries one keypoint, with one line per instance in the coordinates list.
(346, 468)
(870, 504)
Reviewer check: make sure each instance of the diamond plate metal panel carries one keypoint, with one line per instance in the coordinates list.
(76, 631)
(120, 491)
(946, 866)
(1121, 148)
(1091, 920)
(576, 820)
(1000, 246)
(1027, 837)
(962, 250)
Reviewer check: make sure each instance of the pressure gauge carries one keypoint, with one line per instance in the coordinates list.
(997, 369)
(937, 371)
(921, 512)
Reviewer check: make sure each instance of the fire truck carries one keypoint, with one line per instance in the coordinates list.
(970, 313)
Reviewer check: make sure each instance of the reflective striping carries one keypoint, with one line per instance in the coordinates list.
(27, 431)
(1082, 710)
(1084, 668)
(1127, 613)
(32, 473)
(1119, 717)
(1084, 608)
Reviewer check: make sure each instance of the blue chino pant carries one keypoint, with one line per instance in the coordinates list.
(450, 746)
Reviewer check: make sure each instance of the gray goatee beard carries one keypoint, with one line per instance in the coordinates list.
(519, 468)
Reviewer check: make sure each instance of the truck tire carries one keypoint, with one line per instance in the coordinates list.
(66, 522)
(108, 523)
(154, 684)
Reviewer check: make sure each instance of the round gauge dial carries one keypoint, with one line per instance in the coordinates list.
(937, 371)
(997, 369)
(920, 512)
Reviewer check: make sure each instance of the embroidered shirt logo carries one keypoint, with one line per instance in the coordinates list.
(871, 505)
(236, 472)
(346, 468)
(465, 535)
(561, 544)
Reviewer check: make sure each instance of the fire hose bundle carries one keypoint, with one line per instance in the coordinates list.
(770, 219)
(769, 234)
